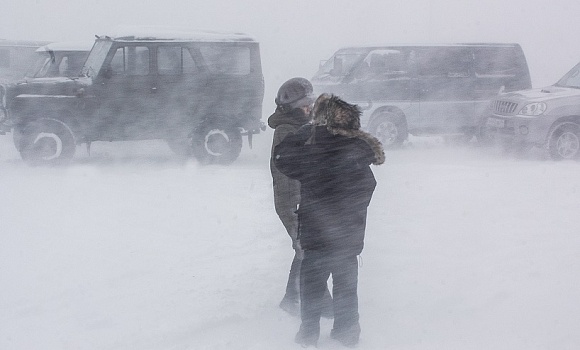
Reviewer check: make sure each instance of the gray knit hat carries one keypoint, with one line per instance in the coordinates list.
(295, 93)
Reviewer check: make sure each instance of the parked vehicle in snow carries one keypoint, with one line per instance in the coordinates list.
(423, 89)
(60, 59)
(16, 58)
(63, 59)
(547, 117)
(199, 91)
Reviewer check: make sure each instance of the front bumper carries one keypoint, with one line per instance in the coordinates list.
(518, 129)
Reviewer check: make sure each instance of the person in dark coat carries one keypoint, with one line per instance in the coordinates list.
(331, 159)
(293, 105)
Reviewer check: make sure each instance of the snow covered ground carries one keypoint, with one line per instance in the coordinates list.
(132, 249)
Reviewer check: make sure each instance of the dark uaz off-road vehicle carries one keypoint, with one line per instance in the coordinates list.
(199, 91)
(16, 58)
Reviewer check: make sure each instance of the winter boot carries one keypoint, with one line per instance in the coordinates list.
(291, 306)
(308, 335)
(348, 337)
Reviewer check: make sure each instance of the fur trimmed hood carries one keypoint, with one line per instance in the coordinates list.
(343, 118)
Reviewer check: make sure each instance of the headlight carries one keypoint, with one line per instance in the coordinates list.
(536, 108)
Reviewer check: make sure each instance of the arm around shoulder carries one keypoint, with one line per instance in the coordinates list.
(288, 155)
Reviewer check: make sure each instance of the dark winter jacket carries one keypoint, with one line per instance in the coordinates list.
(331, 161)
(286, 190)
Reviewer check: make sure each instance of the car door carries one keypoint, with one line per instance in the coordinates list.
(179, 90)
(125, 110)
(383, 77)
(445, 88)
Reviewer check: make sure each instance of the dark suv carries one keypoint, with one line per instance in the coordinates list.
(441, 89)
(199, 91)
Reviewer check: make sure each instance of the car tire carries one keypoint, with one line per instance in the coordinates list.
(390, 129)
(216, 144)
(45, 142)
(565, 142)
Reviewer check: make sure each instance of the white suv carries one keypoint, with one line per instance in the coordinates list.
(548, 117)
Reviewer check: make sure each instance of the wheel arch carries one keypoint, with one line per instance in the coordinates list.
(64, 117)
(214, 119)
(560, 122)
(387, 109)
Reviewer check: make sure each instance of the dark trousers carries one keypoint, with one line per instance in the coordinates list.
(289, 219)
(293, 285)
(316, 268)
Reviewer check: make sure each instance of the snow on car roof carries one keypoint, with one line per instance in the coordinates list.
(67, 46)
(162, 33)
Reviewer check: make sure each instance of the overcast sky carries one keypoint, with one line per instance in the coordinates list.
(295, 35)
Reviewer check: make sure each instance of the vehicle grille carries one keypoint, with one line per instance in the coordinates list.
(504, 107)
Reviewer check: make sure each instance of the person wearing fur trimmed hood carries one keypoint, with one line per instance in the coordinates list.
(331, 159)
(293, 104)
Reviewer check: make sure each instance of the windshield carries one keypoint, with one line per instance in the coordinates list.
(571, 79)
(96, 58)
(58, 64)
(340, 65)
(41, 65)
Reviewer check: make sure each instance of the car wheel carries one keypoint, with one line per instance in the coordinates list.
(390, 129)
(565, 142)
(45, 142)
(213, 144)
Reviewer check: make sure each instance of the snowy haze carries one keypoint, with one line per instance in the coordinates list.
(131, 248)
(296, 35)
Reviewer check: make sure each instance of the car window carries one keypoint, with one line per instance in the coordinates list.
(96, 58)
(342, 63)
(63, 67)
(131, 60)
(496, 62)
(382, 64)
(41, 67)
(225, 59)
(75, 61)
(173, 60)
(49, 66)
(571, 79)
(443, 62)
